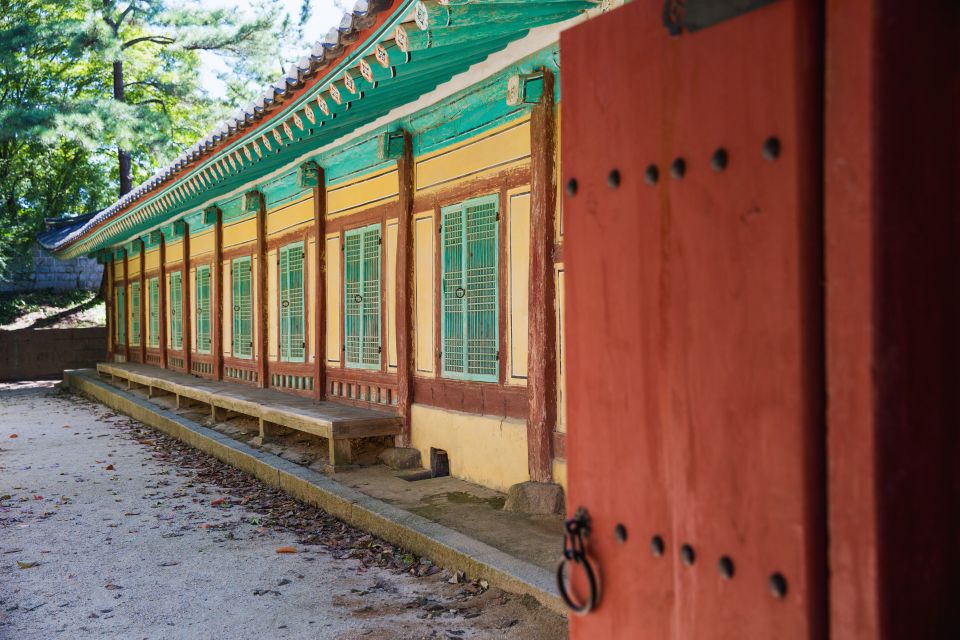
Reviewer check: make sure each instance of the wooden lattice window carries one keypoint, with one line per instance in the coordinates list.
(153, 330)
(121, 316)
(176, 310)
(470, 331)
(361, 297)
(203, 308)
(292, 338)
(242, 275)
(135, 313)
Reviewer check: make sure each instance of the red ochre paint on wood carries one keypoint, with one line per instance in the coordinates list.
(694, 370)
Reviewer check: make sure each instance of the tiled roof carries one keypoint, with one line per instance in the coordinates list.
(329, 48)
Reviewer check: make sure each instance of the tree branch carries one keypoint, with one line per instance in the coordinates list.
(153, 39)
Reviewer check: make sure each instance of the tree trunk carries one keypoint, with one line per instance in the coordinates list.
(123, 156)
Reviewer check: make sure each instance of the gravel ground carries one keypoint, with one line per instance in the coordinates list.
(109, 529)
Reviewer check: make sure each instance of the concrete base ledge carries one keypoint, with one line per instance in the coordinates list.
(442, 545)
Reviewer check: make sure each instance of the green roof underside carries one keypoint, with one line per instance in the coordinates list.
(435, 56)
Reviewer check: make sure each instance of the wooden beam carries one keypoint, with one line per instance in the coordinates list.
(126, 303)
(185, 299)
(143, 307)
(405, 287)
(542, 355)
(320, 289)
(163, 301)
(263, 315)
(217, 307)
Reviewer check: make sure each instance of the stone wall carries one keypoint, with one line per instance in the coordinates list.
(43, 271)
(27, 354)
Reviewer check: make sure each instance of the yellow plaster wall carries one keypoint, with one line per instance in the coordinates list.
(518, 279)
(273, 320)
(311, 298)
(390, 273)
(152, 259)
(238, 233)
(506, 145)
(201, 244)
(332, 284)
(289, 217)
(490, 451)
(423, 293)
(226, 318)
(174, 252)
(133, 266)
(372, 189)
(561, 353)
(560, 473)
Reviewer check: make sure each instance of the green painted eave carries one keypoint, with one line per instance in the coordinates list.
(251, 163)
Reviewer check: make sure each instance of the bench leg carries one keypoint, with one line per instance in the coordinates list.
(218, 414)
(341, 453)
(182, 402)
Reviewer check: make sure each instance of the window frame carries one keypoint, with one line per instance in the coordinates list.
(235, 321)
(282, 287)
(203, 294)
(362, 232)
(136, 300)
(469, 345)
(153, 327)
(176, 303)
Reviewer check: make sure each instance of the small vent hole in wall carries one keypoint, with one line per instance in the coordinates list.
(439, 463)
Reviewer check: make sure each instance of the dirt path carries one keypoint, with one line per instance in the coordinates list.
(109, 529)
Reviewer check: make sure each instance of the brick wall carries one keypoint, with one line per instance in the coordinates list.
(44, 353)
(42, 271)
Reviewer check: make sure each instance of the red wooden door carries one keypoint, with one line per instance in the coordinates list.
(691, 166)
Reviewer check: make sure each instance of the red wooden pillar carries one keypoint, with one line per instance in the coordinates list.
(262, 315)
(185, 310)
(143, 307)
(405, 309)
(542, 354)
(320, 291)
(892, 161)
(217, 313)
(126, 303)
(163, 301)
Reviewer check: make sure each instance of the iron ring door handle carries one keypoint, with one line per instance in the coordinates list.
(460, 292)
(285, 303)
(574, 550)
(358, 298)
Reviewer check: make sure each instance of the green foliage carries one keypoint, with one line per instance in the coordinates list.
(80, 79)
(15, 305)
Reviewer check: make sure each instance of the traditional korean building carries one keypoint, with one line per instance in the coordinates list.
(379, 228)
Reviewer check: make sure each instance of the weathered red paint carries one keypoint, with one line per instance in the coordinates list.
(892, 197)
(694, 321)
(542, 318)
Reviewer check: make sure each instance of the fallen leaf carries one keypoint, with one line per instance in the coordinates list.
(109, 467)
(218, 501)
(66, 426)
(286, 550)
(13, 435)
(38, 497)
(112, 587)
(26, 565)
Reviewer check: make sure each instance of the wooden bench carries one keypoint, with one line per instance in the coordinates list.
(338, 423)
